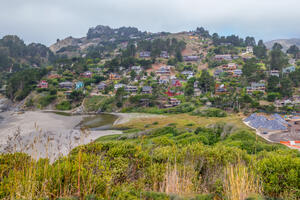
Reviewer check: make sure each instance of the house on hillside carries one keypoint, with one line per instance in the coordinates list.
(237, 73)
(274, 73)
(131, 89)
(249, 49)
(173, 92)
(119, 85)
(87, 74)
(197, 92)
(137, 69)
(191, 58)
(147, 90)
(114, 76)
(188, 74)
(164, 54)
(79, 85)
(145, 54)
(176, 83)
(174, 102)
(256, 87)
(229, 66)
(164, 70)
(292, 61)
(289, 69)
(226, 57)
(220, 89)
(43, 84)
(164, 80)
(101, 86)
(66, 85)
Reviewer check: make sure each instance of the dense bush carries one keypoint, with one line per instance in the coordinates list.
(165, 163)
(64, 105)
(46, 100)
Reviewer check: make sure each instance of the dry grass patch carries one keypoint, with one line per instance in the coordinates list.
(182, 120)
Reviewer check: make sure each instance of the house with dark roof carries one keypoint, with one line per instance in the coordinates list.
(101, 86)
(164, 80)
(131, 89)
(274, 73)
(174, 102)
(164, 70)
(164, 54)
(66, 85)
(147, 90)
(256, 87)
(145, 54)
(191, 58)
(226, 57)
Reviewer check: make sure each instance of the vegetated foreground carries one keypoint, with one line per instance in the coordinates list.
(161, 162)
(198, 82)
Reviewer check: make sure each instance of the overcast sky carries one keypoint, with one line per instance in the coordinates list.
(46, 20)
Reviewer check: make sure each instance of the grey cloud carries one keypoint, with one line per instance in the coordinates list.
(46, 20)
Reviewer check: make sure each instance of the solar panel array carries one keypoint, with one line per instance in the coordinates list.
(275, 123)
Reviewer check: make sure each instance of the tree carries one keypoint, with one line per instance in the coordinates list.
(250, 41)
(286, 89)
(250, 68)
(277, 57)
(76, 95)
(179, 56)
(272, 96)
(215, 38)
(202, 32)
(260, 51)
(189, 89)
(119, 95)
(273, 82)
(132, 75)
(277, 46)
(206, 82)
(295, 77)
(294, 50)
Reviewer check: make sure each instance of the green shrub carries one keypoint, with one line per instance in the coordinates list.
(64, 105)
(46, 100)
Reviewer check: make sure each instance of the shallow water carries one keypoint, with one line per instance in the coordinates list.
(98, 122)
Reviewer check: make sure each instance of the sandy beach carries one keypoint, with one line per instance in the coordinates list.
(46, 134)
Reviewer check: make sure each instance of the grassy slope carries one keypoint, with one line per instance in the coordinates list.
(184, 121)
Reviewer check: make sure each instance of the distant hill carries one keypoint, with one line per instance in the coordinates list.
(97, 38)
(286, 43)
(14, 53)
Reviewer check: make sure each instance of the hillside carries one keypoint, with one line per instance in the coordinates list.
(286, 43)
(98, 37)
(14, 53)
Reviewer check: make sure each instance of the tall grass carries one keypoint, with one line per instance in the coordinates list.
(240, 182)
